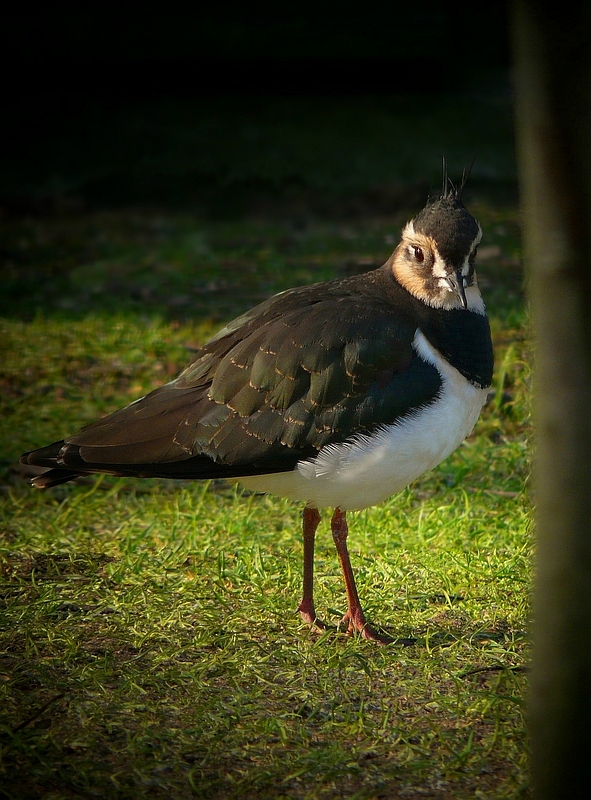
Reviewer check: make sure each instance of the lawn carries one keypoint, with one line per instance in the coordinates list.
(150, 640)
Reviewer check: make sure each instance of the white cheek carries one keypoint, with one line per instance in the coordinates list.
(451, 300)
(475, 301)
(466, 266)
(439, 270)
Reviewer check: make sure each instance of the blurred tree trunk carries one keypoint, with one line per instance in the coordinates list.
(553, 112)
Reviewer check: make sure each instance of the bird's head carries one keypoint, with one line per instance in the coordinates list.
(435, 258)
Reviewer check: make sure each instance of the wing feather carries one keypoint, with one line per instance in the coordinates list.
(307, 368)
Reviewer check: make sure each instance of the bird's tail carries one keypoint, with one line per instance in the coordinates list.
(47, 457)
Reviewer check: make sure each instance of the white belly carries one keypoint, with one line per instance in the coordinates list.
(367, 469)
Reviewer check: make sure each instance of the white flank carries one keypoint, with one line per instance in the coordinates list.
(367, 469)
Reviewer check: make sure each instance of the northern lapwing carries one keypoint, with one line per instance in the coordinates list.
(336, 395)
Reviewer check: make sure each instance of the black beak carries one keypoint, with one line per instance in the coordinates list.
(456, 284)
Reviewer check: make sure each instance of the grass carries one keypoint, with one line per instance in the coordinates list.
(150, 643)
(162, 626)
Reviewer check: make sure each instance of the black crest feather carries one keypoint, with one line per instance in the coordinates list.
(449, 190)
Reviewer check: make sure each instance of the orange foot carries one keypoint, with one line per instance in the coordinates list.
(355, 623)
(308, 615)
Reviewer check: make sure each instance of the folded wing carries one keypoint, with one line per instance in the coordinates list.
(307, 368)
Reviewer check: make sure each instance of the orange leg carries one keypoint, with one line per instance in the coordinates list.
(311, 519)
(354, 619)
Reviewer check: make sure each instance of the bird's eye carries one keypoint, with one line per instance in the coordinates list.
(418, 253)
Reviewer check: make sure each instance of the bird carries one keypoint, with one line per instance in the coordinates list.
(336, 395)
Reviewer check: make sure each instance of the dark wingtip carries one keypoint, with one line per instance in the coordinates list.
(44, 456)
(47, 457)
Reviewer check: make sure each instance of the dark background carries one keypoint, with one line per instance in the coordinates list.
(228, 106)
